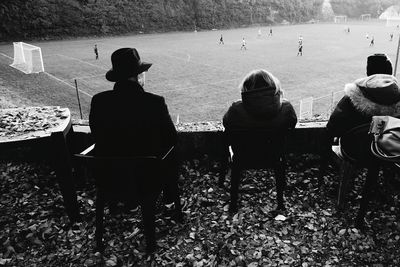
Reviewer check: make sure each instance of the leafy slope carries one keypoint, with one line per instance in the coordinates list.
(35, 231)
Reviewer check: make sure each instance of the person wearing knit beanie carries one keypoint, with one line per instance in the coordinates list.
(376, 94)
(379, 64)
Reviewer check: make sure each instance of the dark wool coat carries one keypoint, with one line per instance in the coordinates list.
(128, 121)
(376, 95)
(260, 109)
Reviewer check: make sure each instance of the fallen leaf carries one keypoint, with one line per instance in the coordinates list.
(280, 218)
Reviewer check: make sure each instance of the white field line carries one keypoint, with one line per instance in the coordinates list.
(54, 77)
(4, 55)
(66, 83)
(77, 59)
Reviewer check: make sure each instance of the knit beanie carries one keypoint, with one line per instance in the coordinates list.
(380, 88)
(379, 64)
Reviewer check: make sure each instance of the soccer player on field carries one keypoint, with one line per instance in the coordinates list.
(221, 40)
(300, 51)
(300, 39)
(96, 51)
(270, 32)
(243, 44)
(372, 41)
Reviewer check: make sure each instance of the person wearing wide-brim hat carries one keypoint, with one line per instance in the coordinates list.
(128, 122)
(126, 64)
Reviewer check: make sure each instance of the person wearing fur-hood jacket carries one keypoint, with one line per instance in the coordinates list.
(375, 95)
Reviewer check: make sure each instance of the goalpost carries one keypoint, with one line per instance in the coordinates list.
(393, 22)
(365, 17)
(340, 19)
(27, 58)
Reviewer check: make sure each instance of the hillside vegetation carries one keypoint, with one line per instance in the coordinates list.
(49, 19)
(58, 18)
(355, 8)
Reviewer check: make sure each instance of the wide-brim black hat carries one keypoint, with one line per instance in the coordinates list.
(126, 63)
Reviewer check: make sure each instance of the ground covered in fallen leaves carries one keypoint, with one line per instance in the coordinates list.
(35, 231)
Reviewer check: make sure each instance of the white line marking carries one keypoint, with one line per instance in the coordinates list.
(66, 83)
(81, 61)
(6, 56)
(54, 77)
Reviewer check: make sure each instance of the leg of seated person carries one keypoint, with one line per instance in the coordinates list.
(171, 192)
(148, 214)
(234, 192)
(347, 175)
(391, 176)
(368, 189)
(100, 201)
(280, 179)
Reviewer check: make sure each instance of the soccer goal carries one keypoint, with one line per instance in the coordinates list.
(393, 21)
(27, 58)
(340, 19)
(365, 17)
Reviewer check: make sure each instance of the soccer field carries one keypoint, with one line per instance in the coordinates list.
(198, 77)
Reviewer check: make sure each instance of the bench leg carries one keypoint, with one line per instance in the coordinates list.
(64, 176)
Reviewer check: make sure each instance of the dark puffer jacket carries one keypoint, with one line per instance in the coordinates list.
(374, 95)
(260, 109)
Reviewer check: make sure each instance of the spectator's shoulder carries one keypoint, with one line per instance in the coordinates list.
(236, 104)
(102, 95)
(286, 105)
(154, 97)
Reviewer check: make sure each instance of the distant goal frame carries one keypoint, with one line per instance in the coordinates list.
(365, 17)
(27, 58)
(340, 19)
(389, 21)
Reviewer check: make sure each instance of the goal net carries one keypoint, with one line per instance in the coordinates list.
(27, 58)
(365, 17)
(393, 22)
(340, 19)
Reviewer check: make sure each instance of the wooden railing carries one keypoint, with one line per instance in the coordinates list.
(205, 138)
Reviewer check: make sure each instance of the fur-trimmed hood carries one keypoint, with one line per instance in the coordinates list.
(375, 95)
